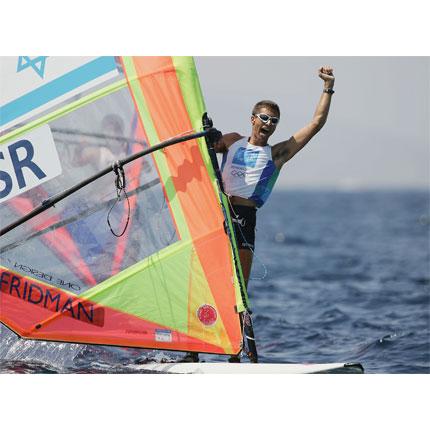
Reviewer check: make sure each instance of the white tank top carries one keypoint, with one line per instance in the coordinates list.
(248, 171)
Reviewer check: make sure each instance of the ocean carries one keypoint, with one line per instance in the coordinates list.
(338, 276)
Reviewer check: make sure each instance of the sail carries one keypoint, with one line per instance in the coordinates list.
(152, 267)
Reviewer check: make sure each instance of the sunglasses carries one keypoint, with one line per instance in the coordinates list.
(266, 118)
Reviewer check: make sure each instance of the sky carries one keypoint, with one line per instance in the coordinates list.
(377, 133)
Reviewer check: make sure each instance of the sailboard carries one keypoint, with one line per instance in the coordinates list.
(114, 227)
(250, 368)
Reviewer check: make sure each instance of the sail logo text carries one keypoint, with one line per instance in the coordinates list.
(51, 299)
(28, 162)
(35, 273)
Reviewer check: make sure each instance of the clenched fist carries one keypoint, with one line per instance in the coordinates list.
(326, 74)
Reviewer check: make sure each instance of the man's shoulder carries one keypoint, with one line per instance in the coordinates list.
(231, 138)
(226, 141)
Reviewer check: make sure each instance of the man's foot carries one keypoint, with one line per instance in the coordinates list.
(190, 357)
(234, 359)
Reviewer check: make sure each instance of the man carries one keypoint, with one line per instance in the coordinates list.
(250, 167)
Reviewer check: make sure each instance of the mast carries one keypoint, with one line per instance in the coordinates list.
(245, 316)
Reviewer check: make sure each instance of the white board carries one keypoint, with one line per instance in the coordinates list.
(257, 368)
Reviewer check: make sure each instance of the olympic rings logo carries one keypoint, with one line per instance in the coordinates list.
(238, 173)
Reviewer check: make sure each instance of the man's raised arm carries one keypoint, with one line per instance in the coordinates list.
(284, 151)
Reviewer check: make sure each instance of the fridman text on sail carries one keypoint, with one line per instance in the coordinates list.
(49, 298)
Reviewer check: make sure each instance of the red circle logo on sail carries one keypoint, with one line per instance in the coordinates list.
(207, 315)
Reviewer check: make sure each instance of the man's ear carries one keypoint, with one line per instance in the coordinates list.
(252, 119)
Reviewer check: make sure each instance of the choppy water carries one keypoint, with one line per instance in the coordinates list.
(348, 279)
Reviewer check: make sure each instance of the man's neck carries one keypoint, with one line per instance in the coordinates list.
(257, 141)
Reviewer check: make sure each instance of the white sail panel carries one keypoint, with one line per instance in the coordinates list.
(31, 85)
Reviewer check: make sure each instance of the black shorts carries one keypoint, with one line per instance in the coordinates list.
(244, 220)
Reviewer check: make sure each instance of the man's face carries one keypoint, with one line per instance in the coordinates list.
(261, 131)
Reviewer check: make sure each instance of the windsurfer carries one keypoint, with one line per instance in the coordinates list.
(250, 166)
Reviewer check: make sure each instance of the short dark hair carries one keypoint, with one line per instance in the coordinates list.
(268, 104)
